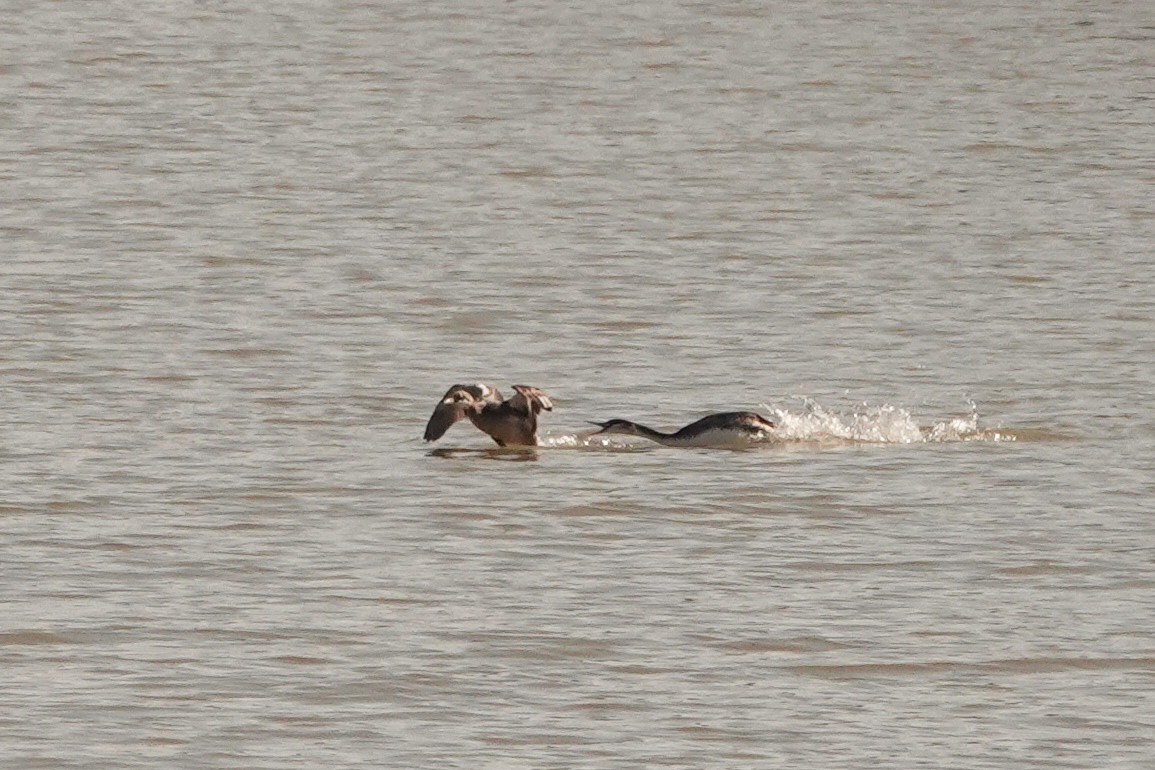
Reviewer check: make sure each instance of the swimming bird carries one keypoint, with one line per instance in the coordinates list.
(511, 422)
(722, 429)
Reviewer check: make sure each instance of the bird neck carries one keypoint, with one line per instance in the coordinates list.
(650, 433)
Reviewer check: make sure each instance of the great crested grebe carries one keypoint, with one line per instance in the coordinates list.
(722, 429)
(510, 422)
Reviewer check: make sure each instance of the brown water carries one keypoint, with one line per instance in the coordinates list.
(245, 247)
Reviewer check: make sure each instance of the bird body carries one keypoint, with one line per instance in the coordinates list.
(715, 430)
(511, 422)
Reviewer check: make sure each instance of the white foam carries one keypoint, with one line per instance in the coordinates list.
(878, 424)
(587, 441)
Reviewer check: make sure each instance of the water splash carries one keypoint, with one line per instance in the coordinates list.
(881, 424)
(586, 441)
(876, 424)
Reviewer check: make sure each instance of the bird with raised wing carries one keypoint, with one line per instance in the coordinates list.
(509, 422)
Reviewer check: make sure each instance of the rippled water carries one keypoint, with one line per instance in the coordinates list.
(246, 247)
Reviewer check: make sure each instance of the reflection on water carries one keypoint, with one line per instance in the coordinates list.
(509, 454)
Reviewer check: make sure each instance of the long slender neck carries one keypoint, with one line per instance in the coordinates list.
(650, 433)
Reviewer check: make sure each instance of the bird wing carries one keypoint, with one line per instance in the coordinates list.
(530, 400)
(453, 407)
(444, 415)
(479, 390)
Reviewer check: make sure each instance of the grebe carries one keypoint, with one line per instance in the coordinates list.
(509, 423)
(722, 429)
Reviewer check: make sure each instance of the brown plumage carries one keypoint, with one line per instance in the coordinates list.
(511, 422)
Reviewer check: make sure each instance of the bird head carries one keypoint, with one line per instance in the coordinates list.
(624, 427)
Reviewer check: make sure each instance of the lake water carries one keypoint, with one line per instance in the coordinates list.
(245, 247)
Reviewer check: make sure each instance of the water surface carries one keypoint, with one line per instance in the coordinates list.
(247, 246)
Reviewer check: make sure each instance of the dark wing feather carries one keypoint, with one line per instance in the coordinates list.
(444, 415)
(453, 407)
